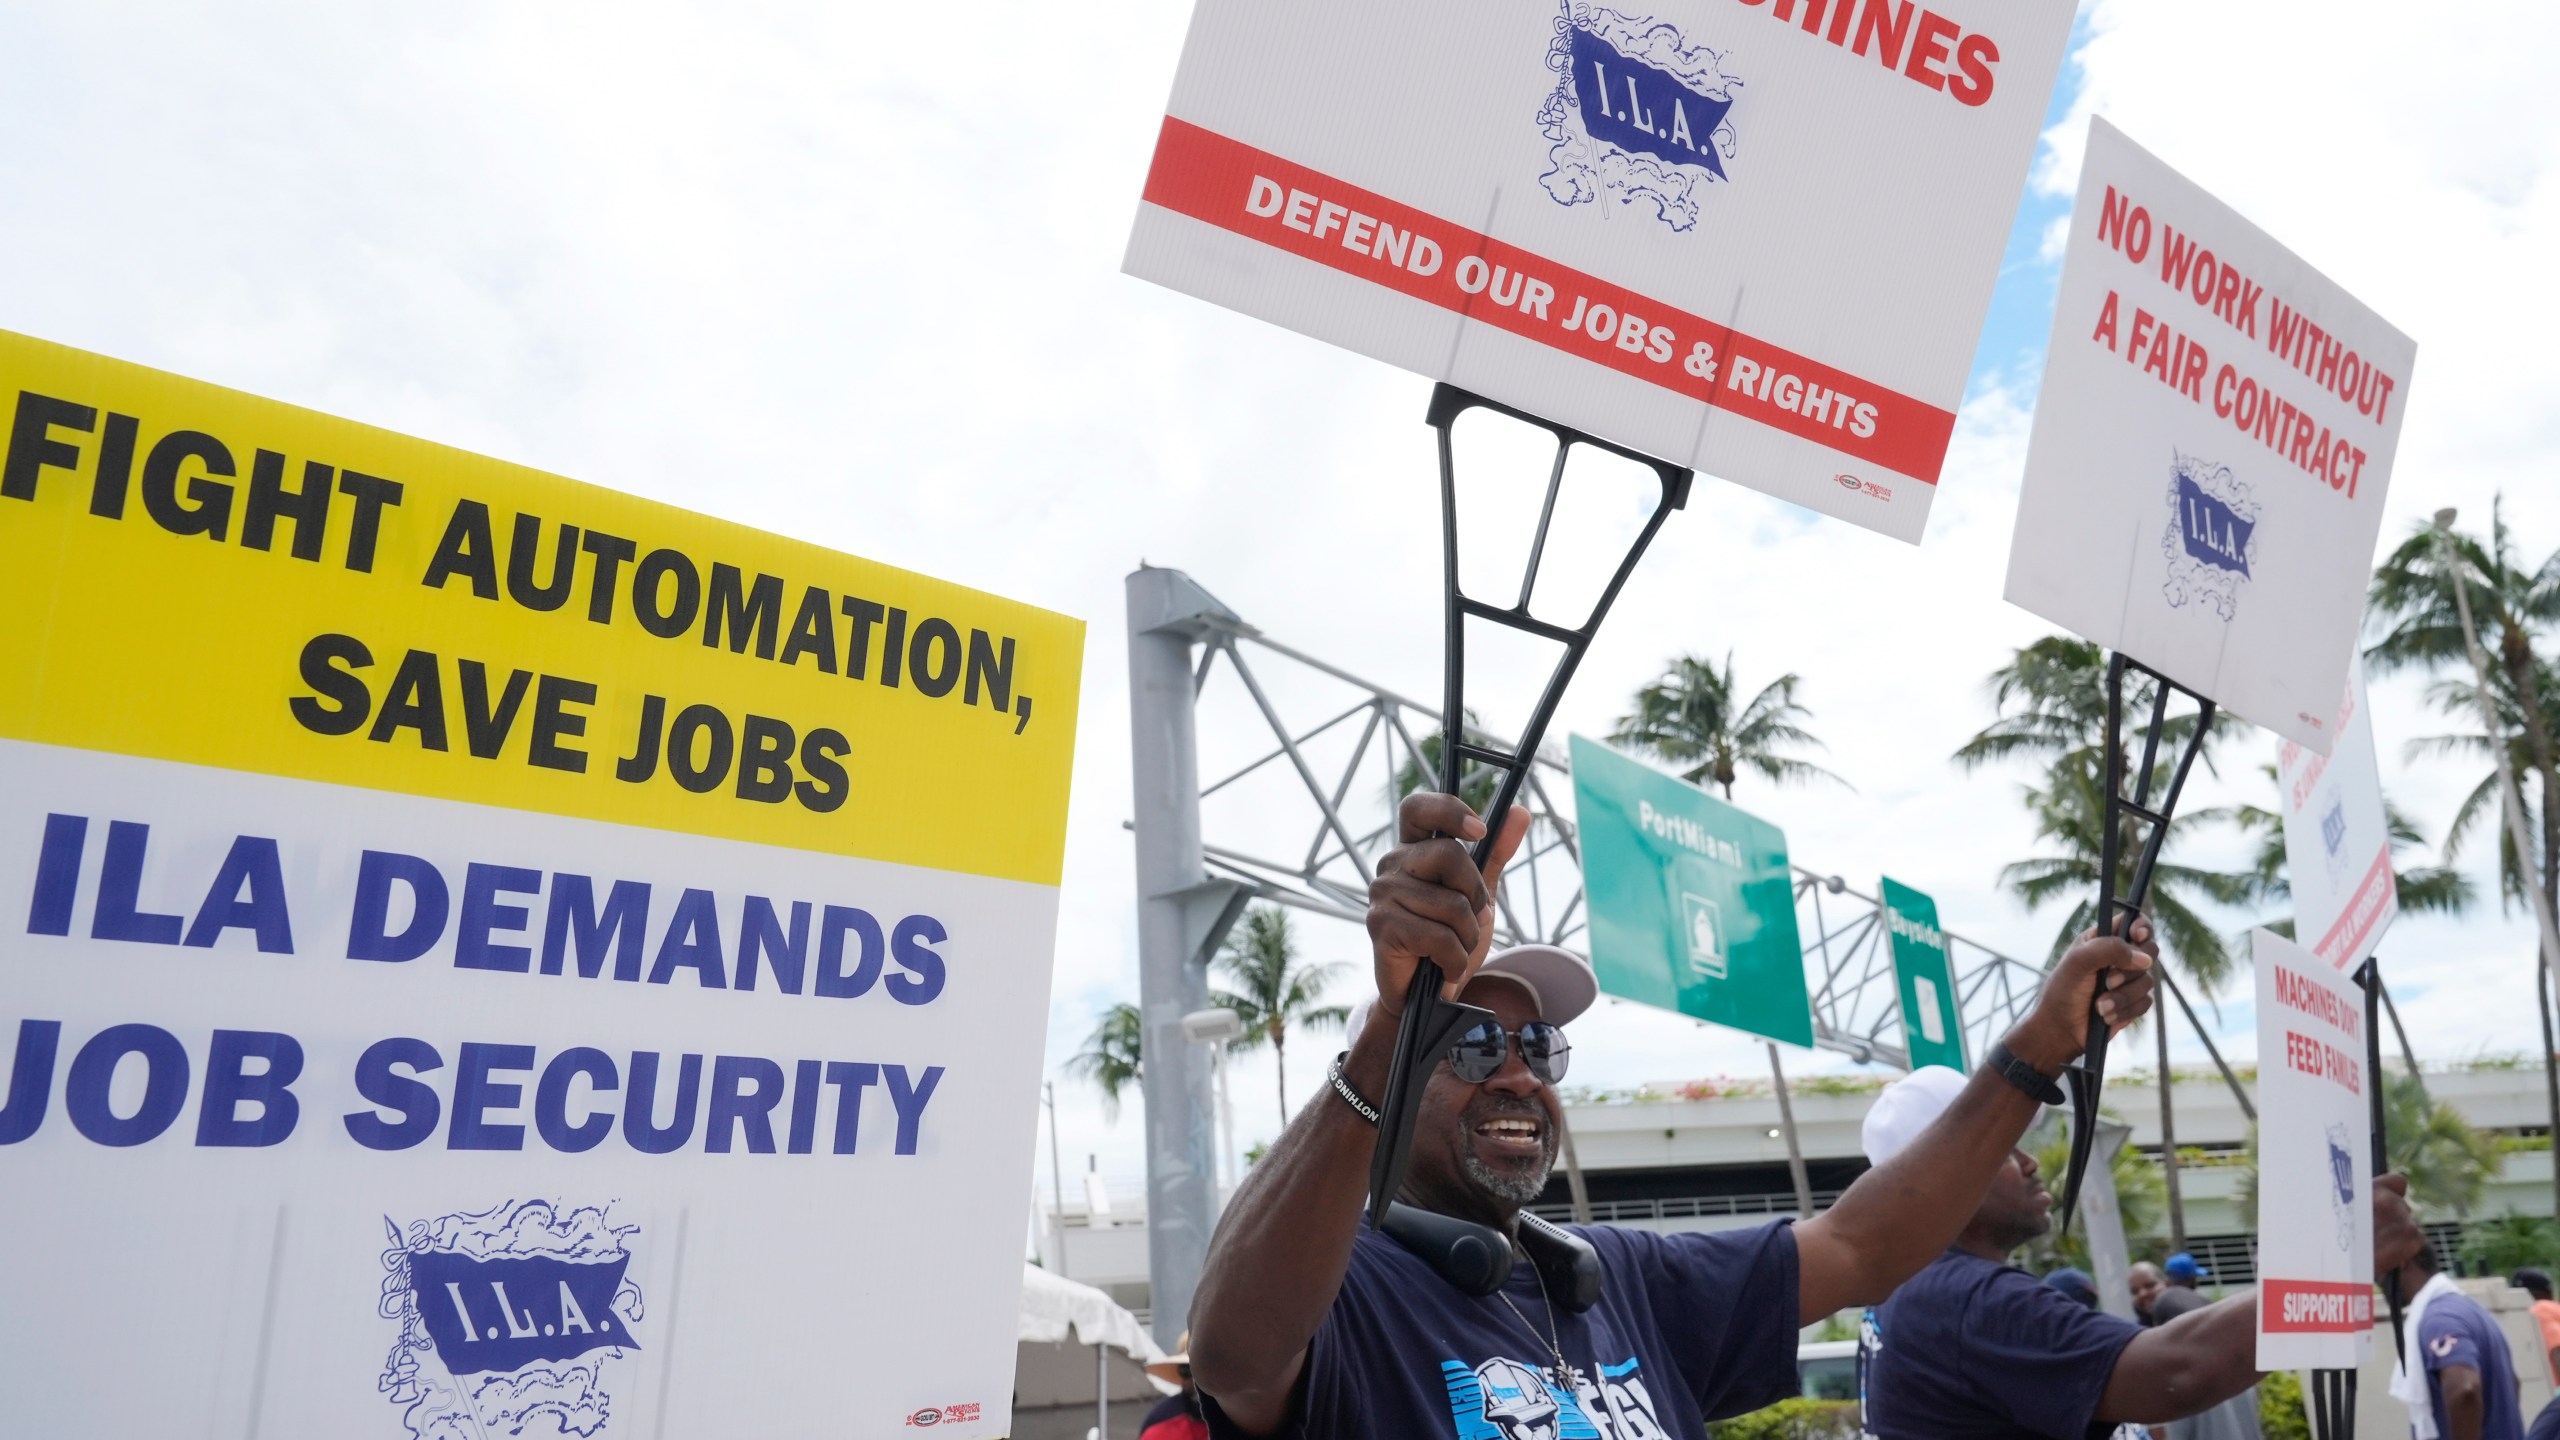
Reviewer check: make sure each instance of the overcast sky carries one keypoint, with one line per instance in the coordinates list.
(852, 272)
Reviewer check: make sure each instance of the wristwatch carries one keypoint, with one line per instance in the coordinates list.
(2026, 1077)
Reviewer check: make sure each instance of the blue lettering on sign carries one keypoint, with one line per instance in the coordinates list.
(504, 1314)
(2214, 534)
(2333, 826)
(2342, 1173)
(1634, 106)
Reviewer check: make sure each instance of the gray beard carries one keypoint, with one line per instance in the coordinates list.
(1515, 1187)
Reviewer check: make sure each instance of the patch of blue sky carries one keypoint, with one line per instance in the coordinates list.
(2011, 353)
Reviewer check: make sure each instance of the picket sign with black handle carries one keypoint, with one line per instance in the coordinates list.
(2334, 1392)
(1431, 1022)
(2116, 912)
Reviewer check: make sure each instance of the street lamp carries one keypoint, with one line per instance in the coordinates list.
(1215, 1027)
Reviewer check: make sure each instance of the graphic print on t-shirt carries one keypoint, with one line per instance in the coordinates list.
(1507, 1399)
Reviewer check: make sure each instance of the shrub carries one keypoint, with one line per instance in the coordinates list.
(2506, 1243)
(1792, 1420)
(2280, 1412)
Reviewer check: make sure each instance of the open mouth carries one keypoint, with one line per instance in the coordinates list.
(1512, 1135)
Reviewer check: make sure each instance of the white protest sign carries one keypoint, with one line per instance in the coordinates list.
(2315, 1164)
(2337, 837)
(2211, 450)
(1754, 238)
(485, 956)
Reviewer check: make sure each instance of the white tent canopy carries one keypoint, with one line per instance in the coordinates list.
(1057, 1314)
(1053, 1306)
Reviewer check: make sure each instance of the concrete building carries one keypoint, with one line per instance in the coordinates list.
(1709, 1155)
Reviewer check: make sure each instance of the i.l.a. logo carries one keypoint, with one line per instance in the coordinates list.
(2211, 542)
(509, 1316)
(1638, 114)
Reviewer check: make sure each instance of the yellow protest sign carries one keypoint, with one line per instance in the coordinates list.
(198, 575)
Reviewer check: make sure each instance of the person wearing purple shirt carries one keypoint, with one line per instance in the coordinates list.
(2469, 1376)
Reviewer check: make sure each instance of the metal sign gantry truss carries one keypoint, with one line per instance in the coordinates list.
(1306, 751)
(1390, 738)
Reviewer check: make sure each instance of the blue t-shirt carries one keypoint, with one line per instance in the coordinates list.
(1970, 1349)
(1689, 1328)
(2546, 1426)
(2456, 1331)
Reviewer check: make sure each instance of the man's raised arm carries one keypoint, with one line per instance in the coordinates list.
(1280, 1252)
(1899, 1216)
(2207, 1356)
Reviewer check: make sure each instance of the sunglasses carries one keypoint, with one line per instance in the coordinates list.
(1479, 1052)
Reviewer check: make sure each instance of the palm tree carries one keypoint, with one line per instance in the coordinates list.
(1273, 991)
(2069, 816)
(2448, 1163)
(2457, 697)
(1690, 717)
(1110, 1057)
(2051, 699)
(2412, 601)
(2141, 1195)
(2413, 604)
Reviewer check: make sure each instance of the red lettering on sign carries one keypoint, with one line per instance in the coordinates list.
(1314, 216)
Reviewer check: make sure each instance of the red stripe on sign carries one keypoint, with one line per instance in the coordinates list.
(2344, 944)
(2314, 1307)
(1306, 213)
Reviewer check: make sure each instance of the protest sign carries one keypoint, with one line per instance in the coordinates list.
(2337, 837)
(1692, 904)
(1757, 240)
(2315, 1164)
(489, 952)
(1932, 1029)
(2212, 448)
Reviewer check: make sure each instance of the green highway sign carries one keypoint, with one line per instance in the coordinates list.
(1692, 905)
(1932, 1029)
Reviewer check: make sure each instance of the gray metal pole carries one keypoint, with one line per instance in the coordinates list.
(1102, 1392)
(1166, 615)
(2550, 1069)
(1057, 1177)
(1795, 1151)
(2102, 1216)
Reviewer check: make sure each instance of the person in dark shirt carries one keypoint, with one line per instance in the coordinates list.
(1974, 1348)
(2073, 1281)
(2466, 1387)
(1307, 1323)
(2145, 1283)
(2179, 1294)
(2181, 1279)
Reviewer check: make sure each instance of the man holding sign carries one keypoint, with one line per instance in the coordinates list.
(1974, 1348)
(1307, 1323)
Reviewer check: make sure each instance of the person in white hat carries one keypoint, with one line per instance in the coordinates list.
(1176, 1416)
(1973, 1348)
(1308, 1323)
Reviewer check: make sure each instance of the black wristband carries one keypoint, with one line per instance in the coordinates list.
(1358, 1102)
(2038, 1085)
